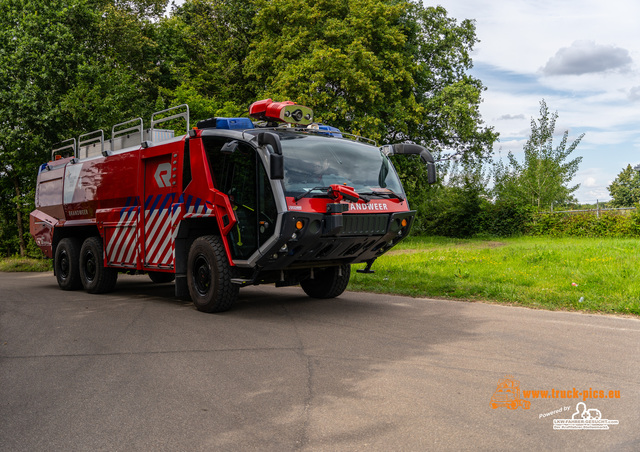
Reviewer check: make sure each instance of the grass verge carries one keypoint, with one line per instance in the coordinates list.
(597, 275)
(25, 264)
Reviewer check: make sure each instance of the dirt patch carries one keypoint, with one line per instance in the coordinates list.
(395, 252)
(477, 245)
(487, 244)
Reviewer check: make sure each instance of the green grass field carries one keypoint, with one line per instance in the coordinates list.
(597, 275)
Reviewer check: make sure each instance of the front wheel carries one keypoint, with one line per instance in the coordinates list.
(209, 275)
(328, 282)
(96, 278)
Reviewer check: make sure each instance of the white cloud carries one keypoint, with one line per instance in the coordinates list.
(521, 35)
(587, 57)
(511, 117)
(593, 185)
(590, 182)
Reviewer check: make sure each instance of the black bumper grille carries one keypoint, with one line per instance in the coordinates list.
(364, 224)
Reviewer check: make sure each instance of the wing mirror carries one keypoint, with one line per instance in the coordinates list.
(414, 149)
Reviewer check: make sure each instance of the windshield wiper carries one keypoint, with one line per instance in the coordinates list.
(388, 193)
(300, 196)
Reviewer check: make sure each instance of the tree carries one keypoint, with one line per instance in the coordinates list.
(544, 175)
(36, 56)
(625, 188)
(66, 67)
(390, 70)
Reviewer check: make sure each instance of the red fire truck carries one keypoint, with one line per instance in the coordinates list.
(230, 203)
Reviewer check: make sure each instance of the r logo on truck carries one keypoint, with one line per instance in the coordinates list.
(163, 175)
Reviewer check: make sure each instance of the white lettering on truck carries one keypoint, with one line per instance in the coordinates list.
(369, 206)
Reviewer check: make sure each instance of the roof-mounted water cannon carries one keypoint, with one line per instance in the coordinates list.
(339, 192)
(287, 111)
(414, 149)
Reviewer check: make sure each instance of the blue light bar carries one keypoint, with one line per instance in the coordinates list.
(334, 131)
(234, 123)
(226, 123)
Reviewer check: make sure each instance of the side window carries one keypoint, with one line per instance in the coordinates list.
(218, 162)
(267, 209)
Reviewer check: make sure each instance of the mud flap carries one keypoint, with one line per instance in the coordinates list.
(182, 289)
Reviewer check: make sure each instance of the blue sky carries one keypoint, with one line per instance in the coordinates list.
(581, 56)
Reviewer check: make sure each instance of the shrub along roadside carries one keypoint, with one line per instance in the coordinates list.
(609, 224)
(25, 264)
(463, 214)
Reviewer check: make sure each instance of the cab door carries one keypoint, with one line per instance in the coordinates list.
(242, 177)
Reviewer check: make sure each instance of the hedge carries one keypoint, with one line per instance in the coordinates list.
(608, 224)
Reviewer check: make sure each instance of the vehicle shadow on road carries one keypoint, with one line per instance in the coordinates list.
(279, 371)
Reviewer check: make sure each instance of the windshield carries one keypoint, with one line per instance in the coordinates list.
(315, 161)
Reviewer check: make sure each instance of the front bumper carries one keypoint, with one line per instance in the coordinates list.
(334, 239)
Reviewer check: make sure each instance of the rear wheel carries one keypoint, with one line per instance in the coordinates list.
(66, 263)
(95, 277)
(328, 282)
(161, 277)
(209, 275)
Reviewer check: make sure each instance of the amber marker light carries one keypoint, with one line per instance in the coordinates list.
(404, 222)
(299, 225)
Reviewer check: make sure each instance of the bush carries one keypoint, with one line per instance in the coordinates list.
(586, 225)
(453, 212)
(505, 218)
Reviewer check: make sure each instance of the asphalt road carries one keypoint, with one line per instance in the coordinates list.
(139, 370)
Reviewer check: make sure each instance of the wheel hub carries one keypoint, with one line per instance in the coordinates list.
(90, 266)
(64, 265)
(202, 275)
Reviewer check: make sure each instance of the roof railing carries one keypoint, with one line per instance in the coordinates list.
(72, 145)
(128, 131)
(184, 114)
(92, 139)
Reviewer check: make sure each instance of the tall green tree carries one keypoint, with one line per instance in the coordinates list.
(37, 56)
(387, 69)
(66, 66)
(390, 70)
(545, 174)
(625, 188)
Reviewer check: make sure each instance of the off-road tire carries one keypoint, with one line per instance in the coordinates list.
(66, 263)
(328, 282)
(161, 277)
(209, 275)
(95, 277)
